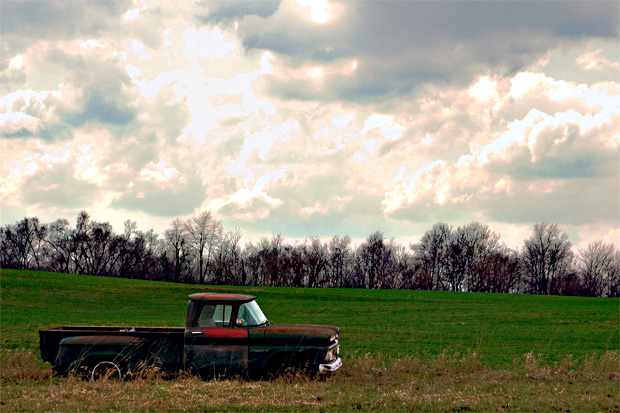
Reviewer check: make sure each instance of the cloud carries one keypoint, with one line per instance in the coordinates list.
(25, 113)
(25, 22)
(218, 11)
(313, 118)
(100, 108)
(356, 216)
(57, 187)
(593, 61)
(400, 47)
(541, 167)
(575, 202)
(93, 88)
(173, 200)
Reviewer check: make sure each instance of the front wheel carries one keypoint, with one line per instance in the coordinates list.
(106, 370)
(290, 366)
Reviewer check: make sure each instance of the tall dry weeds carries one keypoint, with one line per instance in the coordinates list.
(605, 366)
(20, 365)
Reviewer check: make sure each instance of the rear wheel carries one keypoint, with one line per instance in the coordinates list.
(106, 370)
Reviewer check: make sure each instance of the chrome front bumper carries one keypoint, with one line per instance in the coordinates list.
(331, 366)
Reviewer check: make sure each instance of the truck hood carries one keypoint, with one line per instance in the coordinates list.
(301, 333)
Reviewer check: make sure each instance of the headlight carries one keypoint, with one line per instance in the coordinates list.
(333, 353)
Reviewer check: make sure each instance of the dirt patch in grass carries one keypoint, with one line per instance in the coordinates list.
(449, 382)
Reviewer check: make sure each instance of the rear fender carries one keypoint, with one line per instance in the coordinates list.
(75, 352)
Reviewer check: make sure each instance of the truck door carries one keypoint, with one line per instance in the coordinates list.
(213, 346)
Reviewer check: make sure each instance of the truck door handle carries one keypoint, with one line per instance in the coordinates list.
(196, 333)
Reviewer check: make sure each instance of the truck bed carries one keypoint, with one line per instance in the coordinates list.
(168, 339)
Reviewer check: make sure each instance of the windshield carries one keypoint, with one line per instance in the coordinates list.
(250, 314)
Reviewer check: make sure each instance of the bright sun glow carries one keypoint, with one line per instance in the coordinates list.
(320, 10)
(132, 14)
(17, 62)
(159, 172)
(484, 89)
(316, 73)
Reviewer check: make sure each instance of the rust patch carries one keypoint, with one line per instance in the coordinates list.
(223, 332)
(217, 297)
(286, 330)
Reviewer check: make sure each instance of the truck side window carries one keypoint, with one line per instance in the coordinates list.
(215, 315)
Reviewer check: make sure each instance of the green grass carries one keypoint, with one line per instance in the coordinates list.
(403, 350)
(419, 324)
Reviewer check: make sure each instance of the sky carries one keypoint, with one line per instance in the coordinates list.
(314, 118)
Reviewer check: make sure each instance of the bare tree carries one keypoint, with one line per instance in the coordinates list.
(23, 243)
(175, 237)
(399, 270)
(546, 256)
(456, 261)
(152, 256)
(236, 265)
(101, 249)
(131, 250)
(299, 268)
(228, 260)
(6, 251)
(61, 247)
(274, 262)
(480, 244)
(340, 258)
(613, 276)
(432, 253)
(252, 263)
(316, 261)
(500, 272)
(203, 234)
(596, 268)
(375, 260)
(98, 248)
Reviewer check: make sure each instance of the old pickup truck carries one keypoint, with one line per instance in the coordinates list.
(224, 334)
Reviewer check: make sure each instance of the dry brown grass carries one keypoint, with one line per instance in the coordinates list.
(18, 366)
(449, 382)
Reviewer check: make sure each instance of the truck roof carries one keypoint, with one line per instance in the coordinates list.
(243, 298)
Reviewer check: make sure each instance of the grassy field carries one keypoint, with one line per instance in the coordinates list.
(419, 324)
(403, 350)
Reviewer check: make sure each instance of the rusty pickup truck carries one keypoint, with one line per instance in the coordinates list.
(225, 334)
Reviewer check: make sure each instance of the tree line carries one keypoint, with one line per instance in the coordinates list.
(198, 250)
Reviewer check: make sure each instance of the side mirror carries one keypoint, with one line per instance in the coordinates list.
(240, 321)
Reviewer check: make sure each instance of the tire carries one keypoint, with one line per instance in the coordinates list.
(106, 370)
